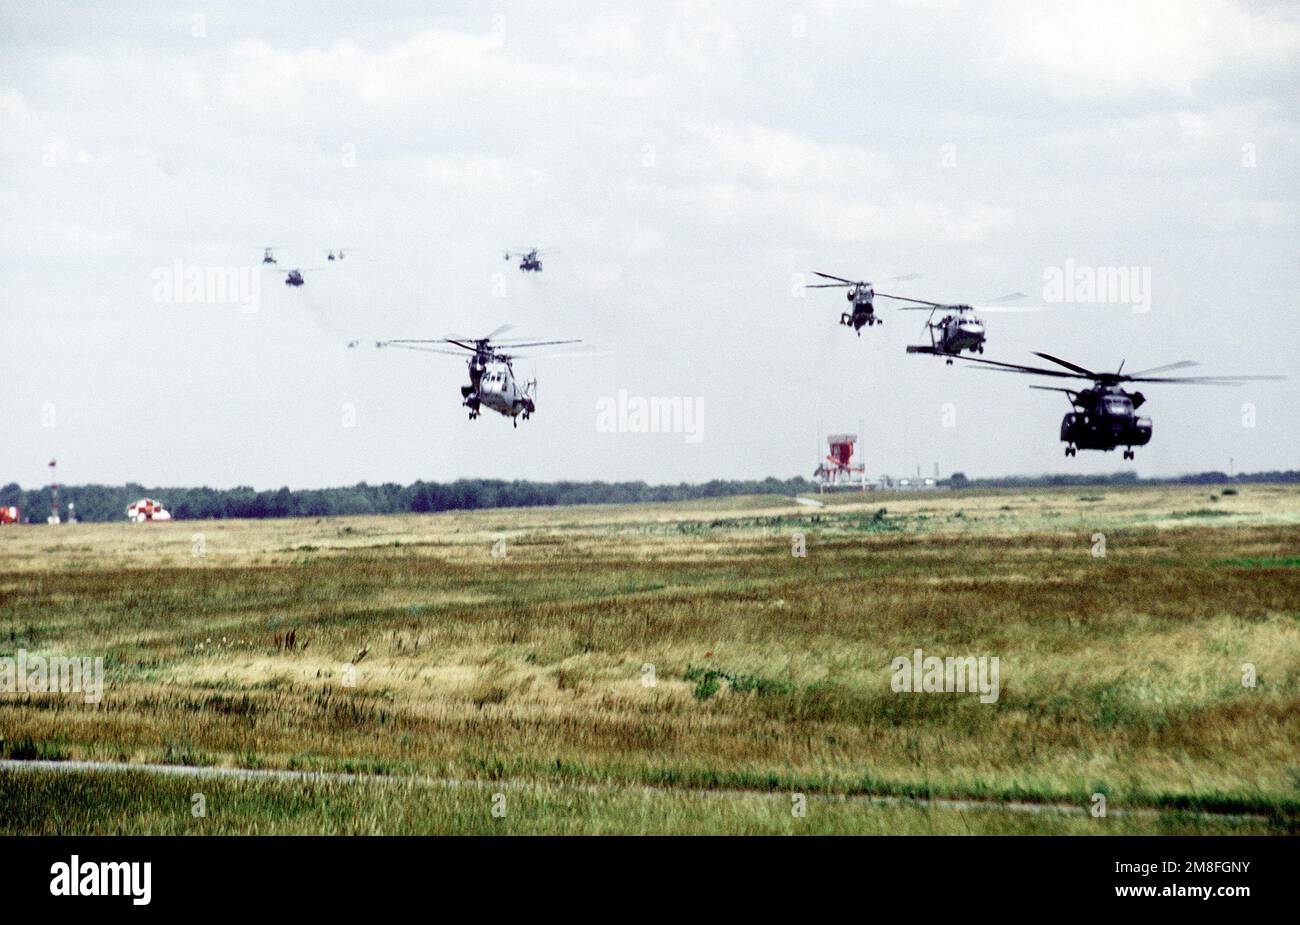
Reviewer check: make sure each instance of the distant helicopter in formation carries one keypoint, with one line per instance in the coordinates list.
(862, 295)
(960, 329)
(492, 380)
(294, 277)
(530, 260)
(1104, 416)
(337, 255)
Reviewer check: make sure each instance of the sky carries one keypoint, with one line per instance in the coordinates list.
(685, 166)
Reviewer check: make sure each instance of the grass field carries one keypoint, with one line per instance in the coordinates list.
(672, 668)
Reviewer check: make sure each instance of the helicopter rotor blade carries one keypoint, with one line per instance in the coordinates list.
(1204, 380)
(574, 354)
(536, 343)
(471, 346)
(1067, 364)
(462, 341)
(390, 343)
(1000, 305)
(1167, 368)
(904, 298)
(407, 341)
(838, 279)
(928, 327)
(424, 340)
(1031, 370)
(1116, 378)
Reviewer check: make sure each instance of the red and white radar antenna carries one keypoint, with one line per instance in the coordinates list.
(54, 492)
(837, 471)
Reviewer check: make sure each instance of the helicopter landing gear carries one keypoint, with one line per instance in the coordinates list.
(1128, 454)
(473, 415)
(979, 349)
(1071, 451)
(948, 362)
(515, 421)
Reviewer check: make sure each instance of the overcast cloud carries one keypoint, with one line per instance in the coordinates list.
(684, 163)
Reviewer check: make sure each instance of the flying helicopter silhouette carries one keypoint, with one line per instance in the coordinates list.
(1104, 416)
(861, 294)
(960, 328)
(338, 254)
(295, 277)
(530, 259)
(492, 380)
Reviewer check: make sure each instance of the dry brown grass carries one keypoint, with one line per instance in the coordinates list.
(1119, 674)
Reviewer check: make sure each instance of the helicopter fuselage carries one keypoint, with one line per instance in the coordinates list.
(864, 310)
(952, 335)
(493, 384)
(1105, 418)
(959, 332)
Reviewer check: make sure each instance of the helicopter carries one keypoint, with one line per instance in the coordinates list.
(294, 277)
(267, 255)
(960, 328)
(862, 295)
(1104, 416)
(530, 260)
(492, 380)
(337, 255)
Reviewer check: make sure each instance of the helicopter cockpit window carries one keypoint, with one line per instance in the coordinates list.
(1118, 406)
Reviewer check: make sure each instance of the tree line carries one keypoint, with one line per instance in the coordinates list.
(959, 480)
(109, 502)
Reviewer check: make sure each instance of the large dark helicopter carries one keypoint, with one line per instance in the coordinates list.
(960, 328)
(862, 296)
(530, 260)
(1105, 415)
(492, 381)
